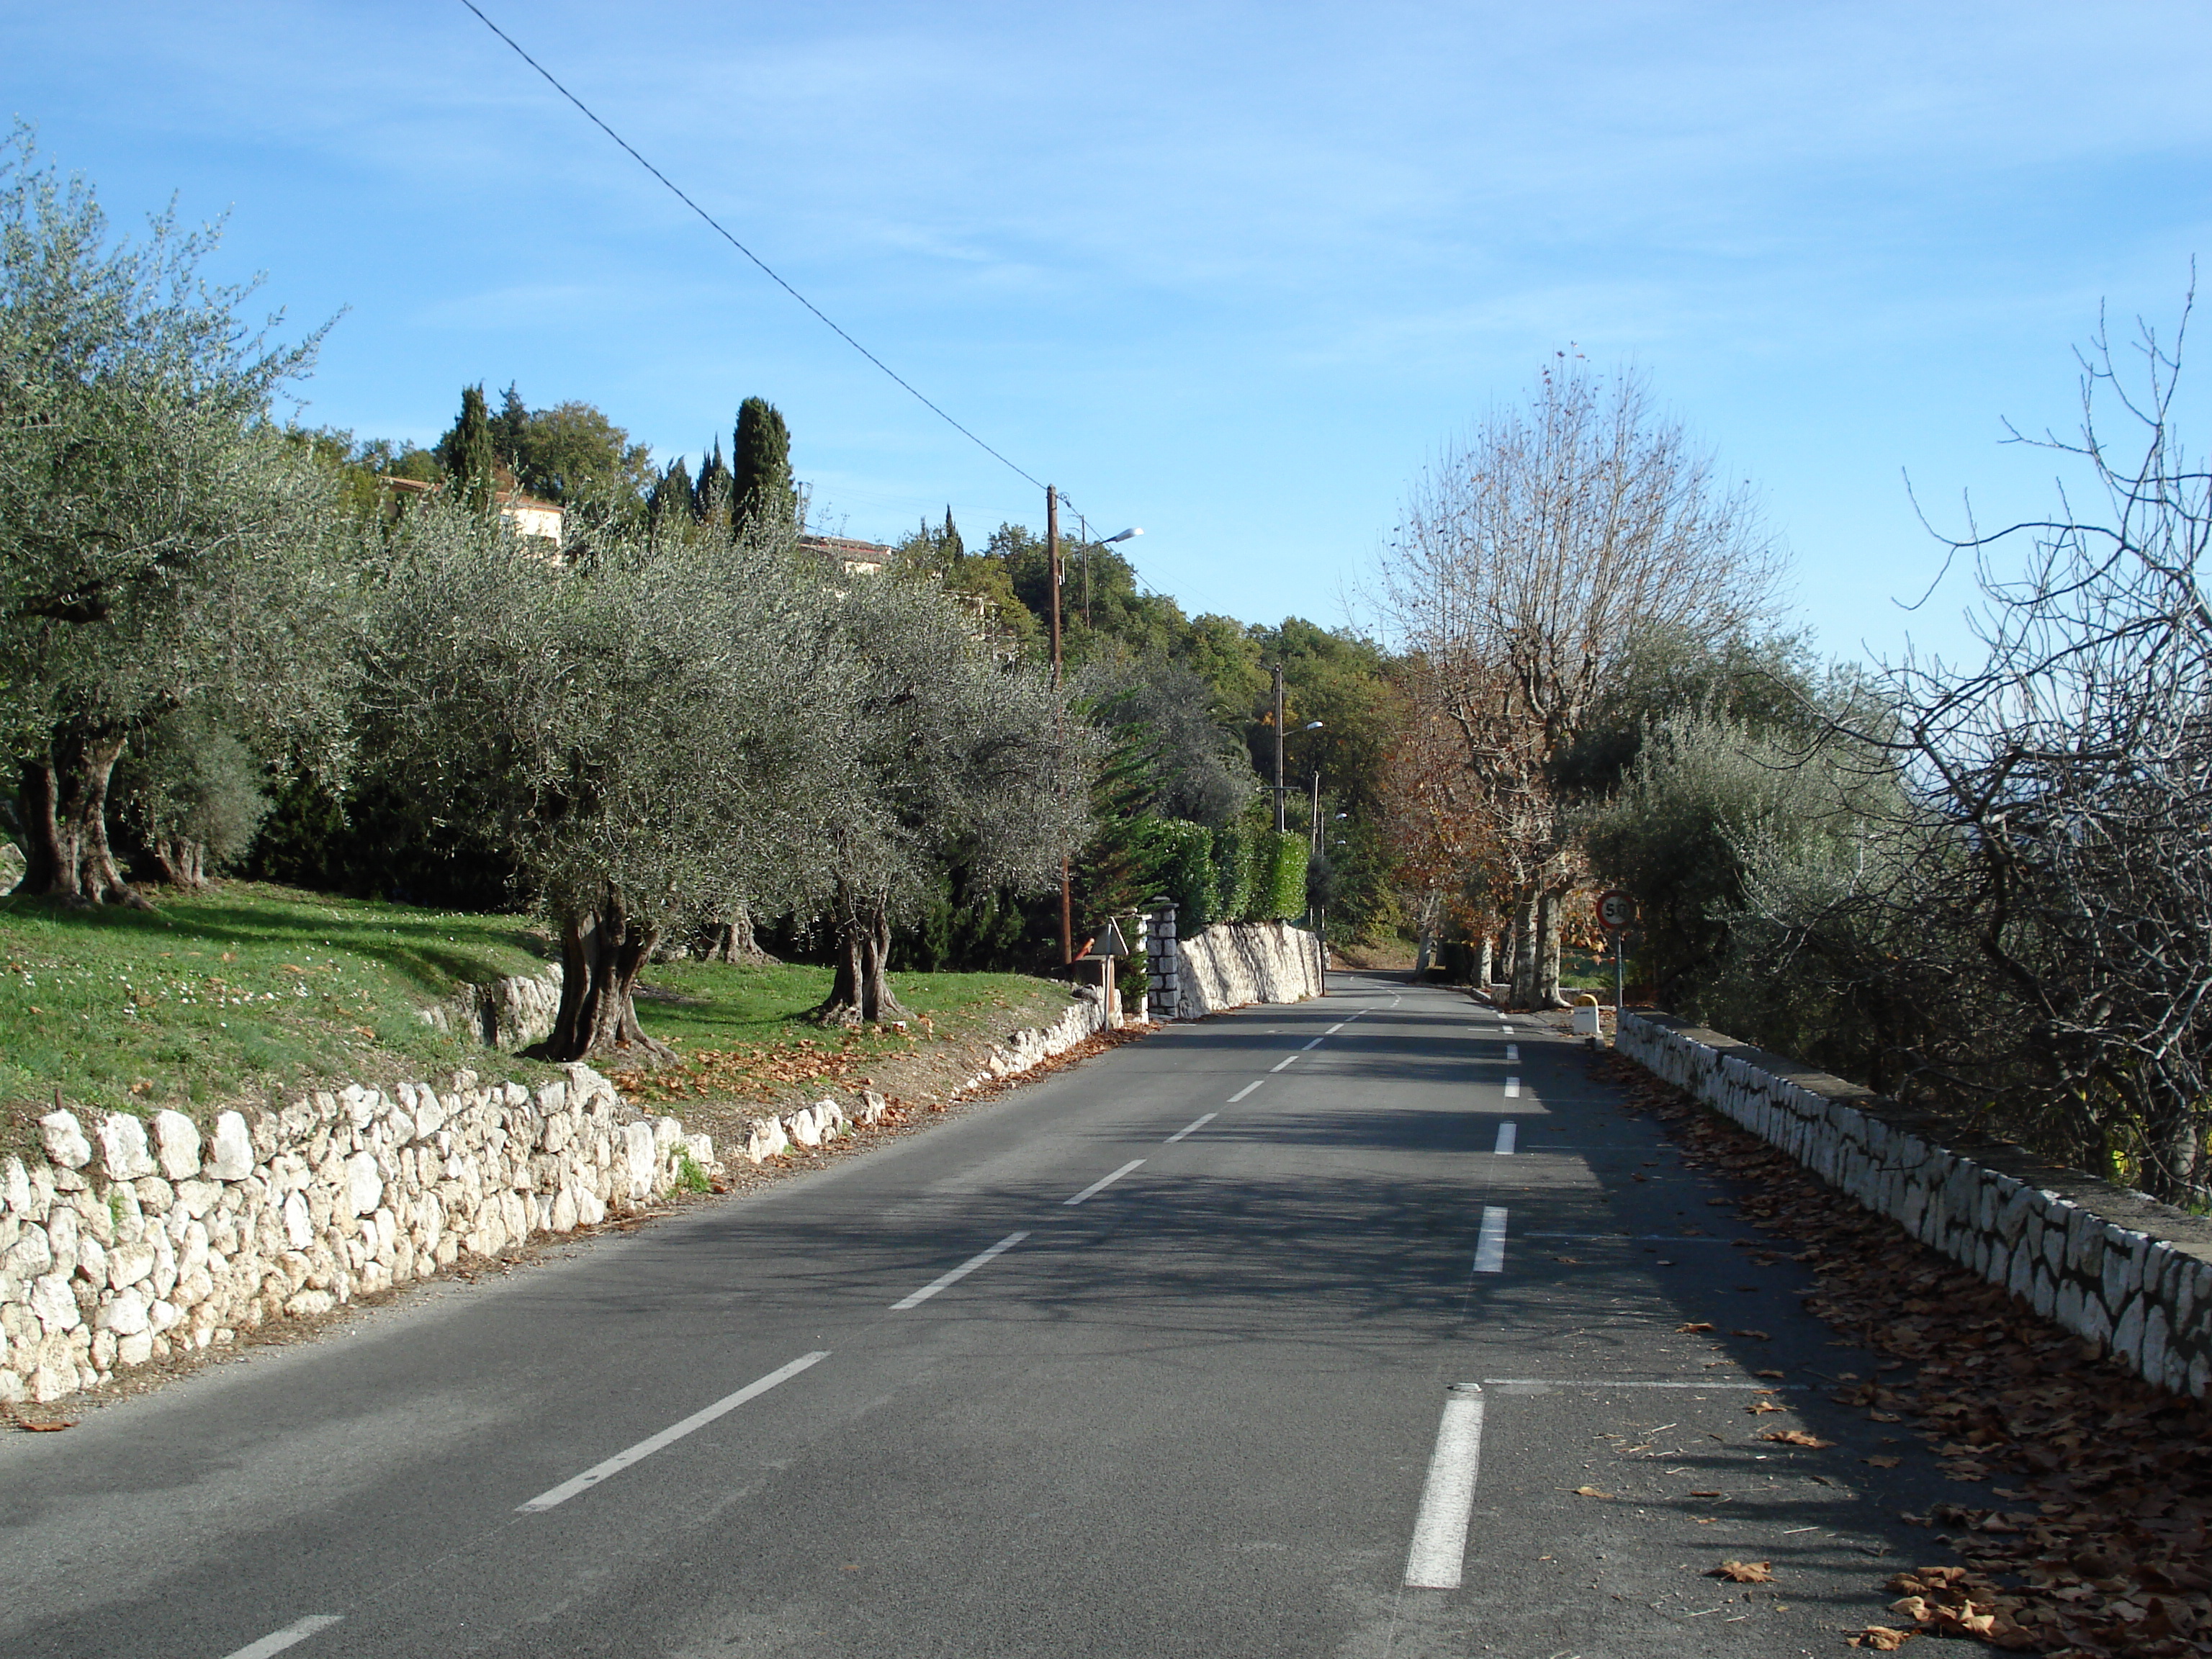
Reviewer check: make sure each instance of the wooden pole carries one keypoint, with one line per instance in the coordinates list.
(1052, 577)
(1278, 750)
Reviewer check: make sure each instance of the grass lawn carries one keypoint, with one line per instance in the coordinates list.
(241, 993)
(249, 992)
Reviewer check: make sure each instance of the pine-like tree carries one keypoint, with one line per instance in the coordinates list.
(510, 428)
(467, 449)
(948, 545)
(763, 495)
(712, 494)
(672, 499)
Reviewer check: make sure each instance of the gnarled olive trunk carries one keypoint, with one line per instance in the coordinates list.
(602, 952)
(731, 939)
(861, 993)
(64, 810)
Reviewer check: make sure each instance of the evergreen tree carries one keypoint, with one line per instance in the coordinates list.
(467, 449)
(949, 544)
(760, 461)
(510, 428)
(712, 494)
(671, 503)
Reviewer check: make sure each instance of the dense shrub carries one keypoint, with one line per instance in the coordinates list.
(1187, 875)
(1279, 877)
(1236, 867)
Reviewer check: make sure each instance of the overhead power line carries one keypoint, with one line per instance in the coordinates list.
(720, 230)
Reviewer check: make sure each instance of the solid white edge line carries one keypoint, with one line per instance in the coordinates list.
(1105, 1181)
(1245, 1090)
(1506, 1132)
(1490, 1242)
(1195, 1123)
(958, 1273)
(1316, 1043)
(669, 1436)
(1284, 1061)
(277, 1640)
(1513, 1088)
(1438, 1554)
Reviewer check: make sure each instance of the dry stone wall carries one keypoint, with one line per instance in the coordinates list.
(137, 1238)
(508, 1014)
(1230, 965)
(2128, 1274)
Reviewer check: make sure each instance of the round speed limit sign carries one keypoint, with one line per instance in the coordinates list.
(1615, 910)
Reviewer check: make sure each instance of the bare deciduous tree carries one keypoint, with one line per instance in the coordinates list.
(1530, 558)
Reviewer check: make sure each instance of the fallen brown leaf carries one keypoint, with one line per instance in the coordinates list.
(1769, 1373)
(1743, 1572)
(1693, 1326)
(1796, 1438)
(1882, 1461)
(1881, 1638)
(1591, 1492)
(1756, 1336)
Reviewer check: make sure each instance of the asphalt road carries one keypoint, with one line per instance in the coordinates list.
(1291, 1332)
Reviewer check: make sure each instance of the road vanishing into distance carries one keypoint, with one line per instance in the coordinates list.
(1291, 1332)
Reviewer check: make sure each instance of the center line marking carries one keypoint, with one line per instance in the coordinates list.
(1506, 1031)
(1334, 1029)
(277, 1640)
(1505, 1134)
(1439, 1549)
(1284, 1061)
(1246, 1090)
(1513, 1051)
(1513, 1088)
(1316, 1043)
(1490, 1242)
(959, 1273)
(667, 1437)
(1105, 1181)
(1195, 1123)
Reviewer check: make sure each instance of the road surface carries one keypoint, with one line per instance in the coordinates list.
(1291, 1332)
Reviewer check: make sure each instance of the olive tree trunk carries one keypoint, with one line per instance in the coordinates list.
(602, 952)
(64, 813)
(861, 993)
(731, 939)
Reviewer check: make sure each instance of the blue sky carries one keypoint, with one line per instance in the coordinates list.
(1232, 272)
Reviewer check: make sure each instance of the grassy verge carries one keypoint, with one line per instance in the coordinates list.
(742, 1033)
(248, 991)
(239, 993)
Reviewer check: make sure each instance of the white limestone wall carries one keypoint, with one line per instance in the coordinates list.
(2124, 1273)
(1232, 964)
(128, 1242)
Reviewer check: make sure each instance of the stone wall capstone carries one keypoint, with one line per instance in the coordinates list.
(118, 1246)
(2128, 1274)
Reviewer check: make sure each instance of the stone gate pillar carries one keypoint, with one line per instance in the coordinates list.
(1163, 963)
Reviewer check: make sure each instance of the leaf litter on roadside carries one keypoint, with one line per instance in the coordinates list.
(2107, 1552)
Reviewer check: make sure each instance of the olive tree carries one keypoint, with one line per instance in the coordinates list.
(944, 754)
(644, 731)
(160, 543)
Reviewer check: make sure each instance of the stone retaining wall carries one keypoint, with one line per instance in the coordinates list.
(123, 1245)
(1229, 965)
(2128, 1274)
(509, 1014)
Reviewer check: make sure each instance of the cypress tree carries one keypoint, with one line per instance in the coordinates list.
(952, 548)
(467, 449)
(760, 464)
(510, 428)
(711, 494)
(671, 497)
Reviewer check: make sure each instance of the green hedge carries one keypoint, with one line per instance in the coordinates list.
(1236, 864)
(1279, 885)
(1187, 873)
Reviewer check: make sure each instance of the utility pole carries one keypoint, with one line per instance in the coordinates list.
(1052, 576)
(1315, 821)
(1279, 748)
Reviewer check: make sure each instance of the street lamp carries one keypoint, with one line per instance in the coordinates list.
(1107, 542)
